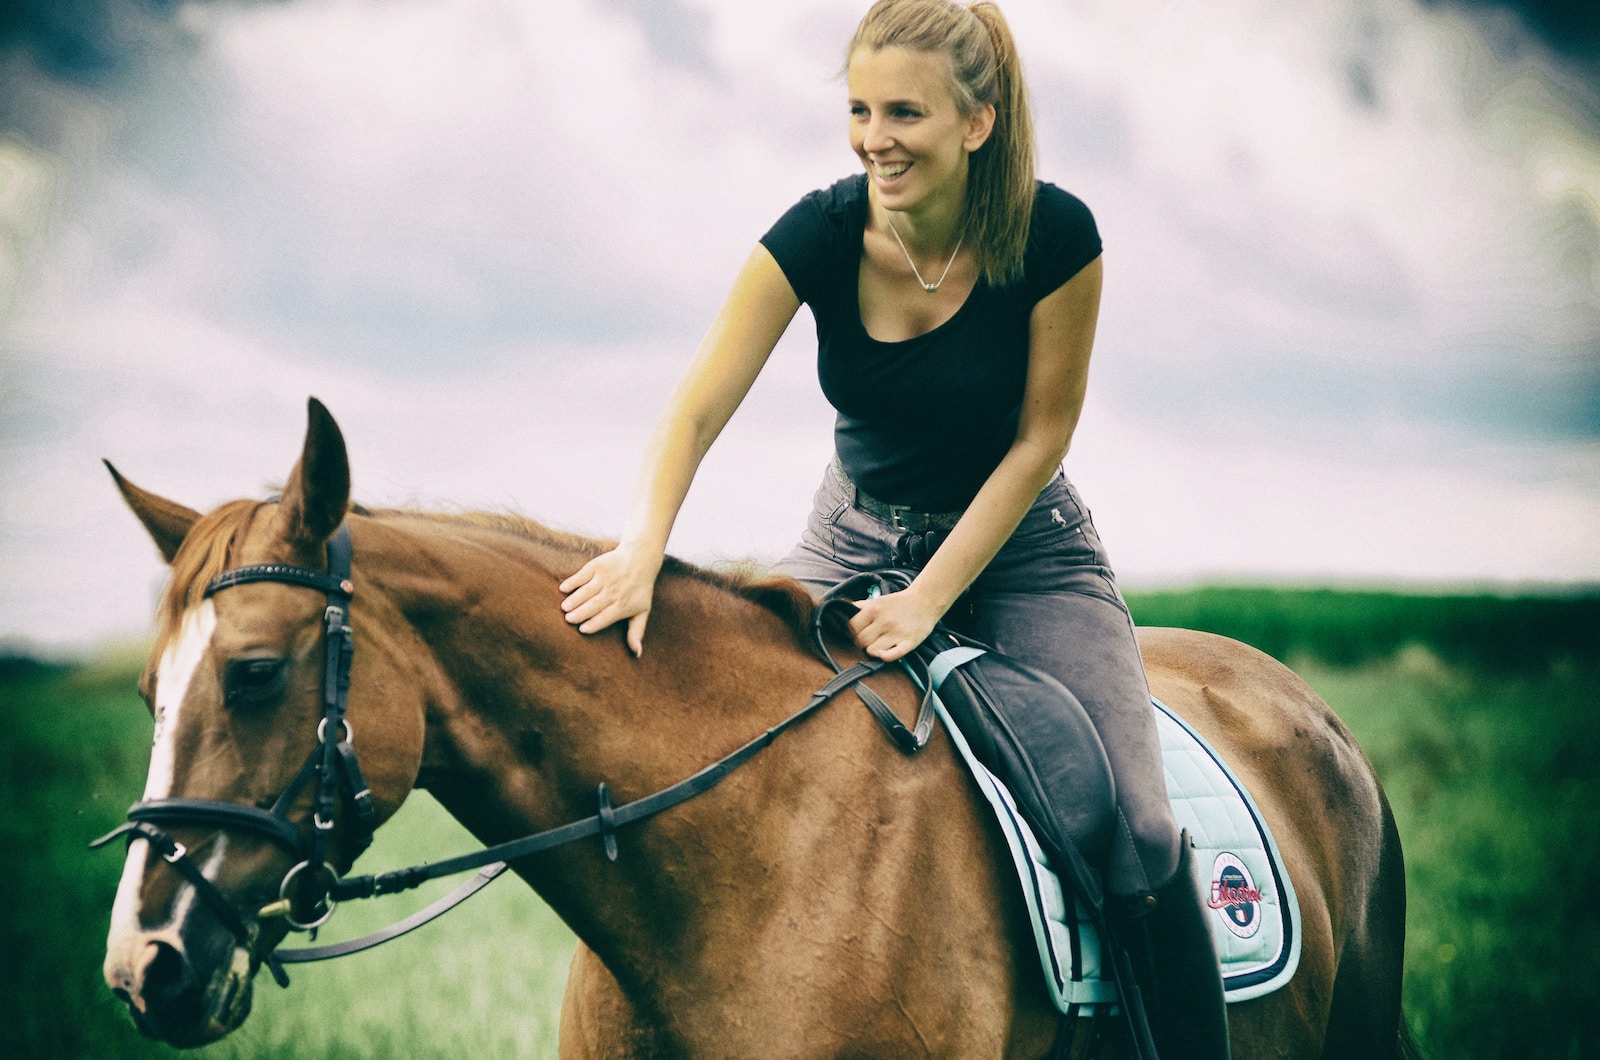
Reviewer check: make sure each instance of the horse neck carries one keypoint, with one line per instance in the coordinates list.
(526, 716)
(807, 848)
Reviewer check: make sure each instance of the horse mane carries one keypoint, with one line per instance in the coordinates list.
(209, 544)
(782, 595)
(203, 556)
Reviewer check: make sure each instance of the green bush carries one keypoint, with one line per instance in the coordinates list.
(1501, 634)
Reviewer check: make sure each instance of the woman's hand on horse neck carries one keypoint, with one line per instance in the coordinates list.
(621, 584)
(612, 587)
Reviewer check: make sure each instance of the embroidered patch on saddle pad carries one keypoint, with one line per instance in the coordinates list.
(1255, 925)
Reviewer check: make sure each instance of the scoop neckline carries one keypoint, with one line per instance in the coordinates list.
(862, 212)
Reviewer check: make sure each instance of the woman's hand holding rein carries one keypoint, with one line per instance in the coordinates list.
(890, 627)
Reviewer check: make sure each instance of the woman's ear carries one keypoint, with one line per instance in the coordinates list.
(979, 126)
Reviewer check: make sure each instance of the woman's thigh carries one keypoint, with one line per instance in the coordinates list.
(1049, 599)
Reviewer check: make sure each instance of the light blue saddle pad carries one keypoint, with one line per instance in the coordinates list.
(1255, 919)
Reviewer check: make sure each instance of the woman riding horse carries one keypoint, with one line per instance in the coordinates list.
(832, 897)
(957, 400)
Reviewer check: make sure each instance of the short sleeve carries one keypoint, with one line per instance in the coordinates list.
(1063, 239)
(811, 239)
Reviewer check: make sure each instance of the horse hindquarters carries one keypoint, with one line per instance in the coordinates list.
(1328, 814)
(1366, 1018)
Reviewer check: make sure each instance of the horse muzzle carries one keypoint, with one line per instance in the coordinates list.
(172, 999)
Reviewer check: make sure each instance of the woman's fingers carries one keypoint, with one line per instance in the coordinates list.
(590, 592)
(636, 626)
(606, 591)
(585, 601)
(890, 627)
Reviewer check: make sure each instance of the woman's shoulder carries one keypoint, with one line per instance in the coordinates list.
(840, 201)
(1062, 239)
(815, 234)
(1057, 210)
(833, 210)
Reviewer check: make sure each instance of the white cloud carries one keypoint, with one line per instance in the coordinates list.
(488, 233)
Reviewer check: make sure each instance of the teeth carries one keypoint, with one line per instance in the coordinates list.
(894, 170)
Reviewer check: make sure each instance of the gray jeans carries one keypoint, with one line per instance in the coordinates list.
(1048, 599)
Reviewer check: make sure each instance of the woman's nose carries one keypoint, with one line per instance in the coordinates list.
(876, 136)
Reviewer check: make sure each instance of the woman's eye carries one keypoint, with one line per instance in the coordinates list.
(251, 681)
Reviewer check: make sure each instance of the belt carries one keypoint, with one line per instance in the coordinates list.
(900, 516)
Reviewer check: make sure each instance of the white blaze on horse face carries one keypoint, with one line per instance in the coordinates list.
(177, 668)
(178, 665)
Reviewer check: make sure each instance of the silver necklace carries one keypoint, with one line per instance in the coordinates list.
(931, 288)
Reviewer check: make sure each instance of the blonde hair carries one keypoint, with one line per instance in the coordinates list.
(984, 69)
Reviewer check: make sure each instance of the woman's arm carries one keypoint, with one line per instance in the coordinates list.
(1061, 337)
(621, 583)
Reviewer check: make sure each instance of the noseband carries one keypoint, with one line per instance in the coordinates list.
(332, 764)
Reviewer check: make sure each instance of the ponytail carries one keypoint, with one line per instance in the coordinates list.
(985, 69)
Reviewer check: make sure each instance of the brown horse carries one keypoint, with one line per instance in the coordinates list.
(832, 897)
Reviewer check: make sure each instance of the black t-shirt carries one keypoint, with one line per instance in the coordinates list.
(925, 421)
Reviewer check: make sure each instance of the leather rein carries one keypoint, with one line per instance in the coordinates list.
(332, 765)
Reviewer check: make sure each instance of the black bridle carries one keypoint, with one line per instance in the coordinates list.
(332, 765)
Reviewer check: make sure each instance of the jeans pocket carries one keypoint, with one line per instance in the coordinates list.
(1058, 526)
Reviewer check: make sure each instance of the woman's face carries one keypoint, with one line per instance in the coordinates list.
(907, 130)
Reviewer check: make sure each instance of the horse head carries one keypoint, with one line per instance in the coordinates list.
(252, 807)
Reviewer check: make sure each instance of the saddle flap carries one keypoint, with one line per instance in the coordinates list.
(1022, 723)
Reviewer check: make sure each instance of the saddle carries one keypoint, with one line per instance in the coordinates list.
(1050, 755)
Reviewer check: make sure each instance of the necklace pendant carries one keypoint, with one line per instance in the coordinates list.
(931, 288)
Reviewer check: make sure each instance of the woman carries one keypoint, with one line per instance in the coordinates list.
(956, 301)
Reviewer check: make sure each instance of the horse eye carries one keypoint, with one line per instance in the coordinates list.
(251, 681)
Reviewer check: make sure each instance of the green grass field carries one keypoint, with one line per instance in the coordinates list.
(1479, 714)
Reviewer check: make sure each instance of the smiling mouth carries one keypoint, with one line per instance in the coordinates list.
(890, 170)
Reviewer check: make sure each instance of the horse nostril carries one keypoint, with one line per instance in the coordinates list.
(167, 979)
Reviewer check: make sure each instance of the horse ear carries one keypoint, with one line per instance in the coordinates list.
(318, 493)
(167, 521)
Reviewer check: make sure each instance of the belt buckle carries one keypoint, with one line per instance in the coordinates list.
(895, 511)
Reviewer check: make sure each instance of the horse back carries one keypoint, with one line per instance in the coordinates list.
(1323, 802)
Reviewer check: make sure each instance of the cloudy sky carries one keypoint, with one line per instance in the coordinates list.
(1351, 330)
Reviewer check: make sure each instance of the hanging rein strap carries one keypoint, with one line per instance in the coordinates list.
(492, 860)
(609, 819)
